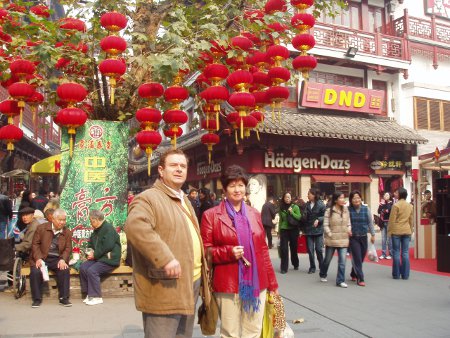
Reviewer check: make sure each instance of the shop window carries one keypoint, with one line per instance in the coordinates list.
(431, 114)
(349, 17)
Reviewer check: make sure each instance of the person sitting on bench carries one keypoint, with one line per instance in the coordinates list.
(103, 254)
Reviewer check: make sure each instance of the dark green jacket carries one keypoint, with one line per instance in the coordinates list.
(313, 214)
(106, 244)
(284, 225)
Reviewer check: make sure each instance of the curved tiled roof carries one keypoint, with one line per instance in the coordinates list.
(340, 127)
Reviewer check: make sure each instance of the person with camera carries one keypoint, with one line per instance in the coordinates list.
(289, 230)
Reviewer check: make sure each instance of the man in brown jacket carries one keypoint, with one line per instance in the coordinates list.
(168, 258)
(51, 248)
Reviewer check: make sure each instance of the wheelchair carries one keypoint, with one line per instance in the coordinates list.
(12, 262)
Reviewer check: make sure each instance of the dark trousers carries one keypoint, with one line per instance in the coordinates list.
(171, 325)
(268, 230)
(288, 240)
(358, 247)
(62, 278)
(90, 272)
(315, 243)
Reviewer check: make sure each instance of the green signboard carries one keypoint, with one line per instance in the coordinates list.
(95, 177)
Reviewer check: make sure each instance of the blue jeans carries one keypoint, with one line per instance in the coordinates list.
(386, 242)
(400, 243)
(315, 244)
(329, 252)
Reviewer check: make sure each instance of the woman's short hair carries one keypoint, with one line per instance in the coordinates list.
(316, 193)
(352, 194)
(233, 173)
(402, 193)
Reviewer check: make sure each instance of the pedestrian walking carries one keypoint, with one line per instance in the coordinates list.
(361, 221)
(268, 214)
(336, 226)
(384, 211)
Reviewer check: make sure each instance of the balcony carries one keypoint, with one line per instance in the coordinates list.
(374, 44)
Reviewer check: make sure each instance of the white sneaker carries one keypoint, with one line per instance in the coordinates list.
(95, 301)
(343, 285)
(324, 280)
(388, 257)
(86, 299)
(382, 257)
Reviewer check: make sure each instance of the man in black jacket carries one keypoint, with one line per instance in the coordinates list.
(268, 213)
(5, 214)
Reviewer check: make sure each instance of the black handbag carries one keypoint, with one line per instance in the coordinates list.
(292, 221)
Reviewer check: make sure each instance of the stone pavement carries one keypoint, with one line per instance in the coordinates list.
(419, 307)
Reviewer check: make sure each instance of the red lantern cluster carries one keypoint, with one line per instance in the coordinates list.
(70, 116)
(175, 117)
(303, 41)
(10, 133)
(113, 45)
(149, 118)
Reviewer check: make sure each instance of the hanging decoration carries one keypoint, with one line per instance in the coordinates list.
(113, 45)
(149, 118)
(71, 117)
(303, 41)
(175, 117)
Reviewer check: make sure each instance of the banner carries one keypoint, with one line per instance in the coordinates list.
(95, 177)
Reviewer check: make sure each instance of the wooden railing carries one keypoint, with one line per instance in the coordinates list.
(409, 27)
(338, 37)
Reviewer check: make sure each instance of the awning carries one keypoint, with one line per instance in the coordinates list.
(15, 173)
(341, 178)
(49, 165)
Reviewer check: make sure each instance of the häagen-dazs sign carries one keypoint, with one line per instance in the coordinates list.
(322, 162)
(203, 168)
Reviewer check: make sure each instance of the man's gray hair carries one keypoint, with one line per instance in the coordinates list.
(59, 212)
(97, 214)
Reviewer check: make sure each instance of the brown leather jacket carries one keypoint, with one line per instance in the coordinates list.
(42, 240)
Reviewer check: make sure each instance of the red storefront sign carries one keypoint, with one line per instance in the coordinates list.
(334, 97)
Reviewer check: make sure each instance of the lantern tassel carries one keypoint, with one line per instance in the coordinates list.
(10, 146)
(71, 136)
(20, 118)
(112, 95)
(34, 111)
(257, 134)
(242, 128)
(217, 121)
(149, 151)
(175, 141)
(112, 83)
(236, 137)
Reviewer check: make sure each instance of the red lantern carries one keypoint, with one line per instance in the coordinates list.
(302, 4)
(218, 49)
(148, 140)
(174, 118)
(240, 80)
(215, 95)
(210, 140)
(279, 75)
(6, 38)
(254, 15)
(9, 108)
(173, 133)
(209, 124)
(114, 69)
(21, 91)
(276, 95)
(242, 101)
(277, 53)
(35, 100)
(303, 21)
(149, 118)
(72, 24)
(16, 8)
(246, 123)
(40, 10)
(258, 59)
(151, 91)
(304, 64)
(303, 42)
(215, 72)
(22, 68)
(113, 45)
(261, 80)
(11, 134)
(273, 6)
(71, 93)
(241, 43)
(259, 117)
(276, 27)
(252, 37)
(71, 118)
(113, 21)
(4, 16)
(176, 94)
(260, 98)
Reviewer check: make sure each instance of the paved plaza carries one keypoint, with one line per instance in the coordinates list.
(419, 307)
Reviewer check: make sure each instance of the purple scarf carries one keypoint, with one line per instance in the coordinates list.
(248, 276)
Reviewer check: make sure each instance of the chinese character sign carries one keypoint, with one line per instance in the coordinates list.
(95, 177)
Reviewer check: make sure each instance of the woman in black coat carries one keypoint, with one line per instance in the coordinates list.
(315, 210)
